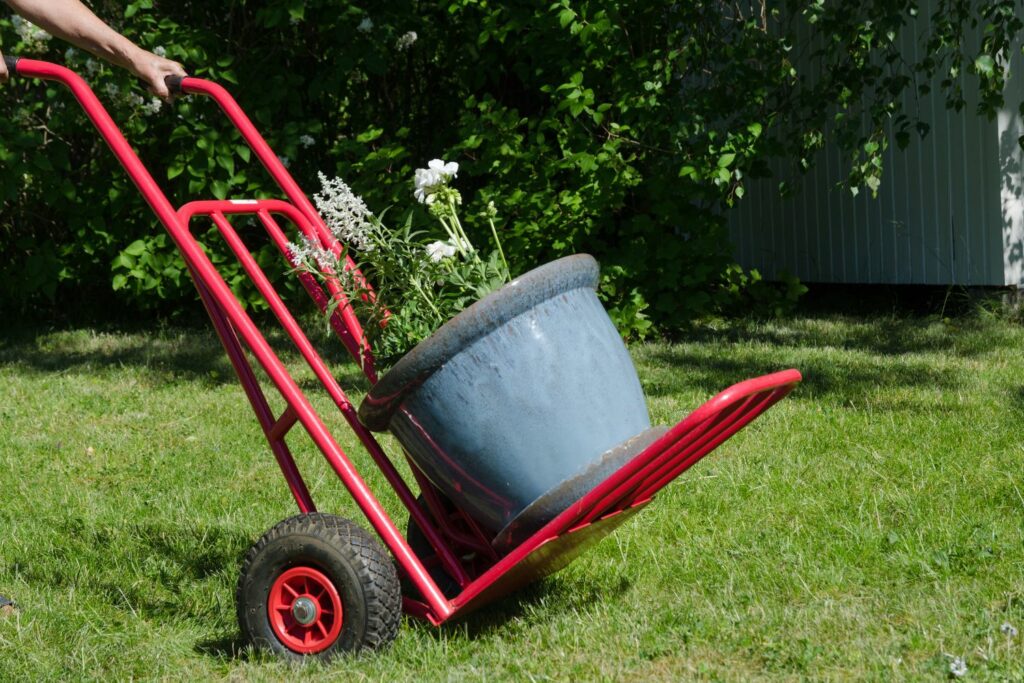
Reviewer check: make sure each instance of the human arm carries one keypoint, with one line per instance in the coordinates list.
(75, 23)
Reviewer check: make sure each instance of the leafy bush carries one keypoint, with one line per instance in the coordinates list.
(622, 128)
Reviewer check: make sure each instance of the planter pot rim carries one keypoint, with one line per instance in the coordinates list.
(475, 322)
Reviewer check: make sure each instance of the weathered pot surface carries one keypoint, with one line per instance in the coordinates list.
(524, 391)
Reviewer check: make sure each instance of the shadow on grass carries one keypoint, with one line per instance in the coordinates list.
(167, 561)
(891, 353)
(227, 649)
(875, 334)
(190, 354)
(547, 598)
(823, 377)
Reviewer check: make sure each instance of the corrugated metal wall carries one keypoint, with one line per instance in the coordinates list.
(950, 209)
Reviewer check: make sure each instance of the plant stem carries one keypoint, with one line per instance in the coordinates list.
(459, 228)
(501, 252)
(429, 301)
(453, 235)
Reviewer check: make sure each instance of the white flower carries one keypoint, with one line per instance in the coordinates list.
(160, 51)
(111, 89)
(91, 65)
(153, 106)
(958, 667)
(406, 41)
(345, 213)
(70, 54)
(29, 32)
(429, 180)
(365, 26)
(1008, 629)
(439, 251)
(306, 140)
(311, 254)
(285, 161)
(448, 169)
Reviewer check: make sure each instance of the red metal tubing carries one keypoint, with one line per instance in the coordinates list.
(700, 440)
(678, 465)
(257, 400)
(321, 370)
(291, 189)
(262, 207)
(361, 353)
(607, 491)
(201, 266)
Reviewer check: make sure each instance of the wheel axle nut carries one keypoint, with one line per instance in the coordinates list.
(304, 610)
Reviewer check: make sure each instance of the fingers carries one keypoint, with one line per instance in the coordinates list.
(3, 69)
(157, 74)
(153, 70)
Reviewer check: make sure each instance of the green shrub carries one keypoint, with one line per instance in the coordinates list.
(621, 128)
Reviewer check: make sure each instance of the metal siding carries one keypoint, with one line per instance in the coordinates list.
(950, 209)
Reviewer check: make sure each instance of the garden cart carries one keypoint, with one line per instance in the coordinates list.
(483, 519)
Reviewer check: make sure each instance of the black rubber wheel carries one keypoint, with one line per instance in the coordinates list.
(318, 585)
(421, 546)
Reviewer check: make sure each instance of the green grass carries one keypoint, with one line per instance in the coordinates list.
(870, 526)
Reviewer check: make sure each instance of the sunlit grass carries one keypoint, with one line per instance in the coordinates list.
(869, 526)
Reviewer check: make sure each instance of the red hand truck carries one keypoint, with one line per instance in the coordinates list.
(320, 585)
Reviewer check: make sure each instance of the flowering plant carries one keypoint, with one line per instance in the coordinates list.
(421, 277)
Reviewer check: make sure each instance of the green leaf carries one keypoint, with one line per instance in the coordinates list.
(136, 248)
(985, 65)
(227, 162)
(370, 134)
(726, 160)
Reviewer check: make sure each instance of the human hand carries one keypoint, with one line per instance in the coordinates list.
(3, 68)
(153, 70)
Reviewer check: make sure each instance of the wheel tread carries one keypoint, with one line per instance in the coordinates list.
(382, 591)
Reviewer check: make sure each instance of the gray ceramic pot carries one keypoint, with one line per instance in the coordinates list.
(520, 404)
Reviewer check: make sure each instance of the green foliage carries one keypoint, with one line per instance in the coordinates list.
(625, 129)
(416, 286)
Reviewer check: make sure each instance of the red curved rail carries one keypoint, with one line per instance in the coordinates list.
(555, 544)
(235, 320)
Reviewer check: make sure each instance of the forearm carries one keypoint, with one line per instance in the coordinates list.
(75, 23)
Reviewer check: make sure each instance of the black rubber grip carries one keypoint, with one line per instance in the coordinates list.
(173, 84)
(12, 64)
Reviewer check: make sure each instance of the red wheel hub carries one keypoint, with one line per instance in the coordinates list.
(305, 610)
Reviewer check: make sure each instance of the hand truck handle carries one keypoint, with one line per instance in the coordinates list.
(12, 64)
(189, 85)
(173, 84)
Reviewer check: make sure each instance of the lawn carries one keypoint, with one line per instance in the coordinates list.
(870, 526)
